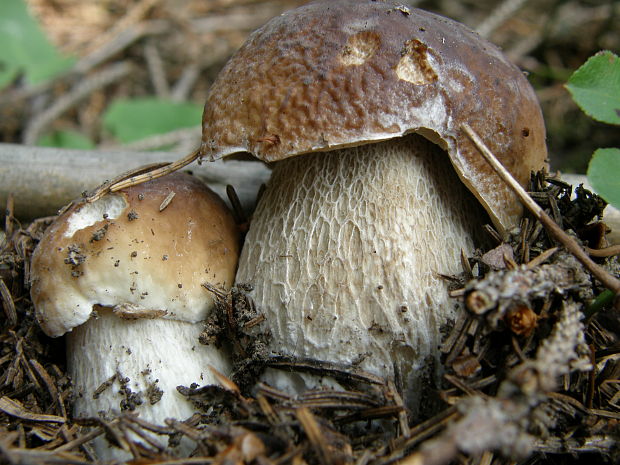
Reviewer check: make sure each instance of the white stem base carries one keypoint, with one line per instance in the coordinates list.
(155, 355)
(344, 250)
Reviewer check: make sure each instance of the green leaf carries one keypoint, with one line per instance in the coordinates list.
(135, 119)
(595, 86)
(24, 48)
(67, 140)
(604, 174)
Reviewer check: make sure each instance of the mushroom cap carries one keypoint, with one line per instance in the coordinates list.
(344, 73)
(122, 251)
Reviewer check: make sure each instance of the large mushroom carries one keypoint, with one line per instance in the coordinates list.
(122, 278)
(375, 189)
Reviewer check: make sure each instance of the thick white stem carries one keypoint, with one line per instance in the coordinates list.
(344, 250)
(155, 356)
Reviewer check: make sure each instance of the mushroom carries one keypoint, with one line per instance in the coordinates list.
(121, 277)
(375, 189)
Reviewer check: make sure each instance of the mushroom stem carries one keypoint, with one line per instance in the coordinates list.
(344, 250)
(136, 365)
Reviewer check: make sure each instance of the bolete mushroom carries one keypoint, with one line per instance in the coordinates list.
(375, 189)
(122, 278)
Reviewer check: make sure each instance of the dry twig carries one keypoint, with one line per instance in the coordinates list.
(608, 281)
(82, 90)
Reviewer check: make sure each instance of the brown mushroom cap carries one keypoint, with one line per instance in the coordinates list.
(344, 73)
(150, 259)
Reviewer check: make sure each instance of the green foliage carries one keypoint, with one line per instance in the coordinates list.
(595, 87)
(66, 139)
(135, 119)
(604, 174)
(24, 48)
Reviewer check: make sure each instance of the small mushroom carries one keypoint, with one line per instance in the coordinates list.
(375, 189)
(121, 277)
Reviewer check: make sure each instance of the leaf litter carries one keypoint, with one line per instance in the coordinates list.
(526, 374)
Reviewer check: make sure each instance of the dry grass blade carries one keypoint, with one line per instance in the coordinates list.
(416, 435)
(268, 410)
(266, 391)
(80, 441)
(542, 258)
(108, 186)
(343, 399)
(386, 411)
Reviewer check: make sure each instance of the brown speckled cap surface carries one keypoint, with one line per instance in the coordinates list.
(130, 248)
(343, 73)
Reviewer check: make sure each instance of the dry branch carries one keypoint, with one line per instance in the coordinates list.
(42, 180)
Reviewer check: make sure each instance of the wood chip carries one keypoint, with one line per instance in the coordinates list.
(314, 434)
(8, 304)
(167, 201)
(16, 409)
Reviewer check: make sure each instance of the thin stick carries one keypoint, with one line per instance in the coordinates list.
(136, 12)
(173, 138)
(314, 434)
(185, 83)
(121, 41)
(499, 16)
(106, 187)
(605, 278)
(130, 179)
(157, 69)
(81, 90)
(237, 208)
(606, 252)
